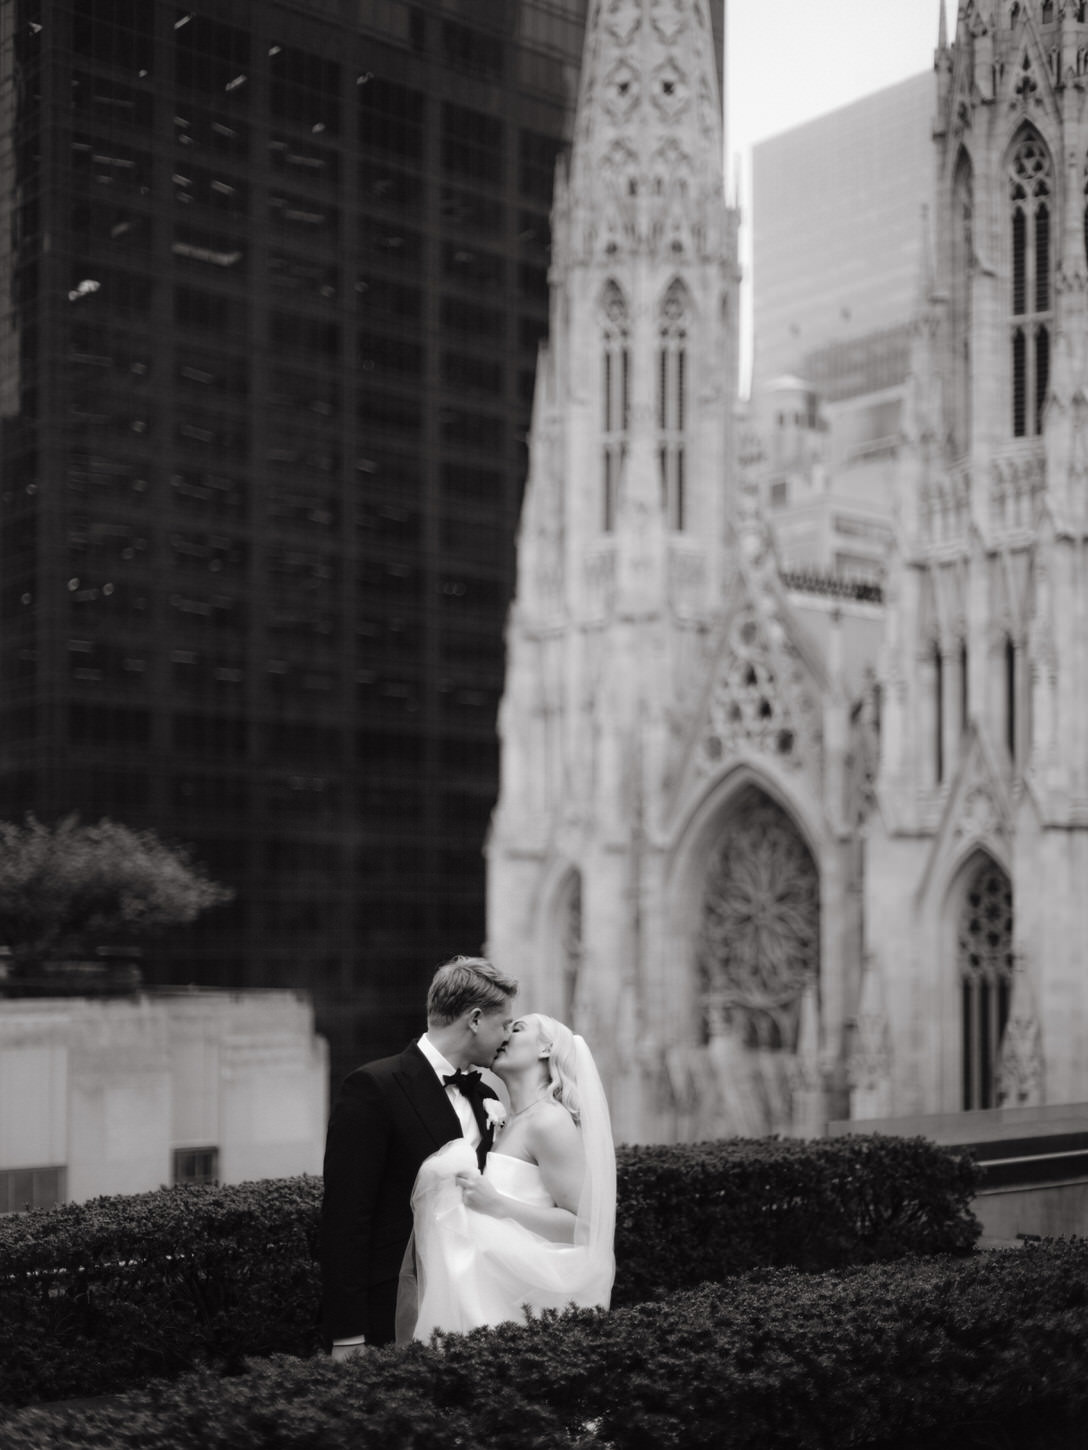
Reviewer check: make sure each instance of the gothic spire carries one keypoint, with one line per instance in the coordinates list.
(649, 132)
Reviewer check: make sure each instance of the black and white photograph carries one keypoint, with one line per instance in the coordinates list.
(544, 724)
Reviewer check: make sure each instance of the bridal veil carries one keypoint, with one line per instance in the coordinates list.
(465, 1269)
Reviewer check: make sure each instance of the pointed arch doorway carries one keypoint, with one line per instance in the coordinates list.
(758, 943)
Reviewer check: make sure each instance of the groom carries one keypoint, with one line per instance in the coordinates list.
(390, 1115)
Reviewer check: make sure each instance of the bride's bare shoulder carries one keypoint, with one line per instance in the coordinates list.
(554, 1126)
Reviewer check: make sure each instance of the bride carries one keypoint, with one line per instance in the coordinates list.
(535, 1230)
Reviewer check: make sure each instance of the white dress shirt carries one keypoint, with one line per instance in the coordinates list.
(461, 1105)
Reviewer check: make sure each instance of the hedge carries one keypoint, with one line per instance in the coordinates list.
(102, 1296)
(700, 1211)
(945, 1354)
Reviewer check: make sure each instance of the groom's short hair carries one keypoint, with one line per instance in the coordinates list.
(464, 983)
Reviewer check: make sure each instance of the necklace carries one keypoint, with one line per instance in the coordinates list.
(543, 1098)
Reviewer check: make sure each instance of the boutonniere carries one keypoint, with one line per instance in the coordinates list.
(496, 1114)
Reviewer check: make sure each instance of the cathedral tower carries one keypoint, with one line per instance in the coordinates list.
(623, 532)
(978, 850)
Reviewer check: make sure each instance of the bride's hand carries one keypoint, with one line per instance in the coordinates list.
(481, 1194)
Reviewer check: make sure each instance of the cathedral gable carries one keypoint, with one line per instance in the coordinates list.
(1026, 83)
(977, 814)
(1002, 56)
(764, 690)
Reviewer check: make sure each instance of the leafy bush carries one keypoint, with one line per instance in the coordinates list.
(104, 1295)
(945, 1354)
(67, 888)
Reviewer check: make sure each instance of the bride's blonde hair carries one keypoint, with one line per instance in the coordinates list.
(562, 1073)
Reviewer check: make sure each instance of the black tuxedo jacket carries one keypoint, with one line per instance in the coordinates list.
(390, 1115)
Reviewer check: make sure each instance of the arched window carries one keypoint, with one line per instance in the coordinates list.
(615, 402)
(963, 251)
(759, 938)
(965, 686)
(1009, 673)
(984, 949)
(937, 666)
(672, 406)
(1030, 195)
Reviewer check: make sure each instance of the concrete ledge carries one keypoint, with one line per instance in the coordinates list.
(986, 1125)
(1034, 1164)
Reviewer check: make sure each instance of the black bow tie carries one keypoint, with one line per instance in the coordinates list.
(471, 1086)
(468, 1082)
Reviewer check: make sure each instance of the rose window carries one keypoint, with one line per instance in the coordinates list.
(759, 939)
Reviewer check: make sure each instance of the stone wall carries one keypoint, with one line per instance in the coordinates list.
(107, 1090)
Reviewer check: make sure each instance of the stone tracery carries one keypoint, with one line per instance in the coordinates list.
(985, 959)
(749, 706)
(669, 17)
(624, 17)
(759, 938)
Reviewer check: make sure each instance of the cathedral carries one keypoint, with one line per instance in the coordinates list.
(784, 854)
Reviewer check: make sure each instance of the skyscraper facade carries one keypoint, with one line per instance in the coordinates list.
(272, 281)
(836, 240)
(841, 209)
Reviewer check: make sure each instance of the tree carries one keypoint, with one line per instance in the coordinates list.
(66, 889)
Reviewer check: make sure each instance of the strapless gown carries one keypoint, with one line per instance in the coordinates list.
(472, 1269)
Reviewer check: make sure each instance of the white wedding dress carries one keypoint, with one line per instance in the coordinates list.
(472, 1269)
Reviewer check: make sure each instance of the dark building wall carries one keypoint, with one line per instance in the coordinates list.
(272, 289)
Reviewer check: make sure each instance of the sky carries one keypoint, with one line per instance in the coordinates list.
(790, 60)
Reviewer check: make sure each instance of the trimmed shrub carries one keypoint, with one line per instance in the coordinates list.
(102, 1295)
(704, 1210)
(945, 1354)
(105, 1295)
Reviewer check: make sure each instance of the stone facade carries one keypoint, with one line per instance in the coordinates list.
(124, 1095)
(783, 856)
(659, 689)
(977, 853)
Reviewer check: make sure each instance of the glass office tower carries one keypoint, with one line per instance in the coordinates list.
(837, 239)
(273, 279)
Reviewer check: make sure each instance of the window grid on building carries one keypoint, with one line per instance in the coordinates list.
(23, 1188)
(229, 361)
(196, 1165)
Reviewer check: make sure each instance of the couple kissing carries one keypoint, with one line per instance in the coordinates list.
(446, 1208)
